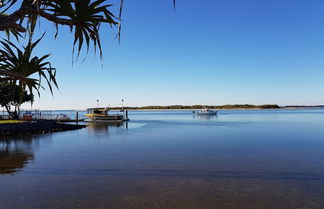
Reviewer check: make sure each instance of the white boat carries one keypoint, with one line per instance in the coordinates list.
(206, 112)
(101, 114)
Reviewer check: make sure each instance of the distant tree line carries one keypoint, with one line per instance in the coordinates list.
(181, 107)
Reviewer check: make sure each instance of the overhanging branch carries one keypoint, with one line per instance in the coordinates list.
(12, 75)
(57, 20)
(9, 22)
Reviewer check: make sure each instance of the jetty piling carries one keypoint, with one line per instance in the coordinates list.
(77, 117)
(125, 115)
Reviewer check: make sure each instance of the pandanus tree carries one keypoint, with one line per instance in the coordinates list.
(21, 72)
(34, 70)
(12, 96)
(19, 18)
(83, 17)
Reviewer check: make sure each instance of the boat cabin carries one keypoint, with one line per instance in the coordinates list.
(99, 111)
(101, 114)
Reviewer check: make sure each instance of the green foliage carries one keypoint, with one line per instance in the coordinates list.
(194, 107)
(22, 62)
(269, 106)
(12, 95)
(19, 19)
(84, 17)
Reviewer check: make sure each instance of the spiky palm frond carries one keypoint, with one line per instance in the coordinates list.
(7, 4)
(87, 17)
(34, 69)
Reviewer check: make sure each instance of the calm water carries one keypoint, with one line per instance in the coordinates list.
(239, 159)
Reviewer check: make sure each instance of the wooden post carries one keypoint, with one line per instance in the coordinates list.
(77, 117)
(126, 114)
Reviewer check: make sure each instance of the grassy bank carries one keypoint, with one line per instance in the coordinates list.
(11, 121)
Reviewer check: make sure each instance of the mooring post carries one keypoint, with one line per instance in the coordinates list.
(126, 114)
(77, 117)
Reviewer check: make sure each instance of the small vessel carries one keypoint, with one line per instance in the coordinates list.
(206, 112)
(101, 114)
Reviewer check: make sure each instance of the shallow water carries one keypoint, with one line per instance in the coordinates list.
(251, 159)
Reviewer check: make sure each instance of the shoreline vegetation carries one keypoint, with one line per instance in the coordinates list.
(197, 107)
(224, 107)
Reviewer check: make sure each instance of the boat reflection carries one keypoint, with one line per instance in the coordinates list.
(204, 117)
(15, 154)
(102, 127)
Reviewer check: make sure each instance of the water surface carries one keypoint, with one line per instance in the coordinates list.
(251, 159)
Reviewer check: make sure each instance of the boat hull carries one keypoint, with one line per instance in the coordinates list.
(207, 113)
(98, 117)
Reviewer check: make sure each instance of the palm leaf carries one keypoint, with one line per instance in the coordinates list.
(20, 61)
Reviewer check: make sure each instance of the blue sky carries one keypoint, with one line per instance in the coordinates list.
(211, 52)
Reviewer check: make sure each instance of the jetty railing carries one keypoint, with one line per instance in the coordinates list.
(68, 116)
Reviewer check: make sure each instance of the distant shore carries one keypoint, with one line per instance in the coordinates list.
(222, 107)
(281, 108)
(197, 107)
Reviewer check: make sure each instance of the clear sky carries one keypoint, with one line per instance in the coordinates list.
(209, 52)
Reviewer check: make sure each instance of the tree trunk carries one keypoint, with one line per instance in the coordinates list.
(13, 114)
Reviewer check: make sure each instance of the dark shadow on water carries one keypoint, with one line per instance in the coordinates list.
(15, 153)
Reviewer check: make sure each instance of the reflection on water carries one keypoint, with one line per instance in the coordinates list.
(204, 117)
(236, 160)
(15, 154)
(99, 127)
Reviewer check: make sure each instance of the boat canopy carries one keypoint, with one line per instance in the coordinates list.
(97, 110)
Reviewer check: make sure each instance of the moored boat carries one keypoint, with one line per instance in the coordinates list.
(207, 112)
(101, 114)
